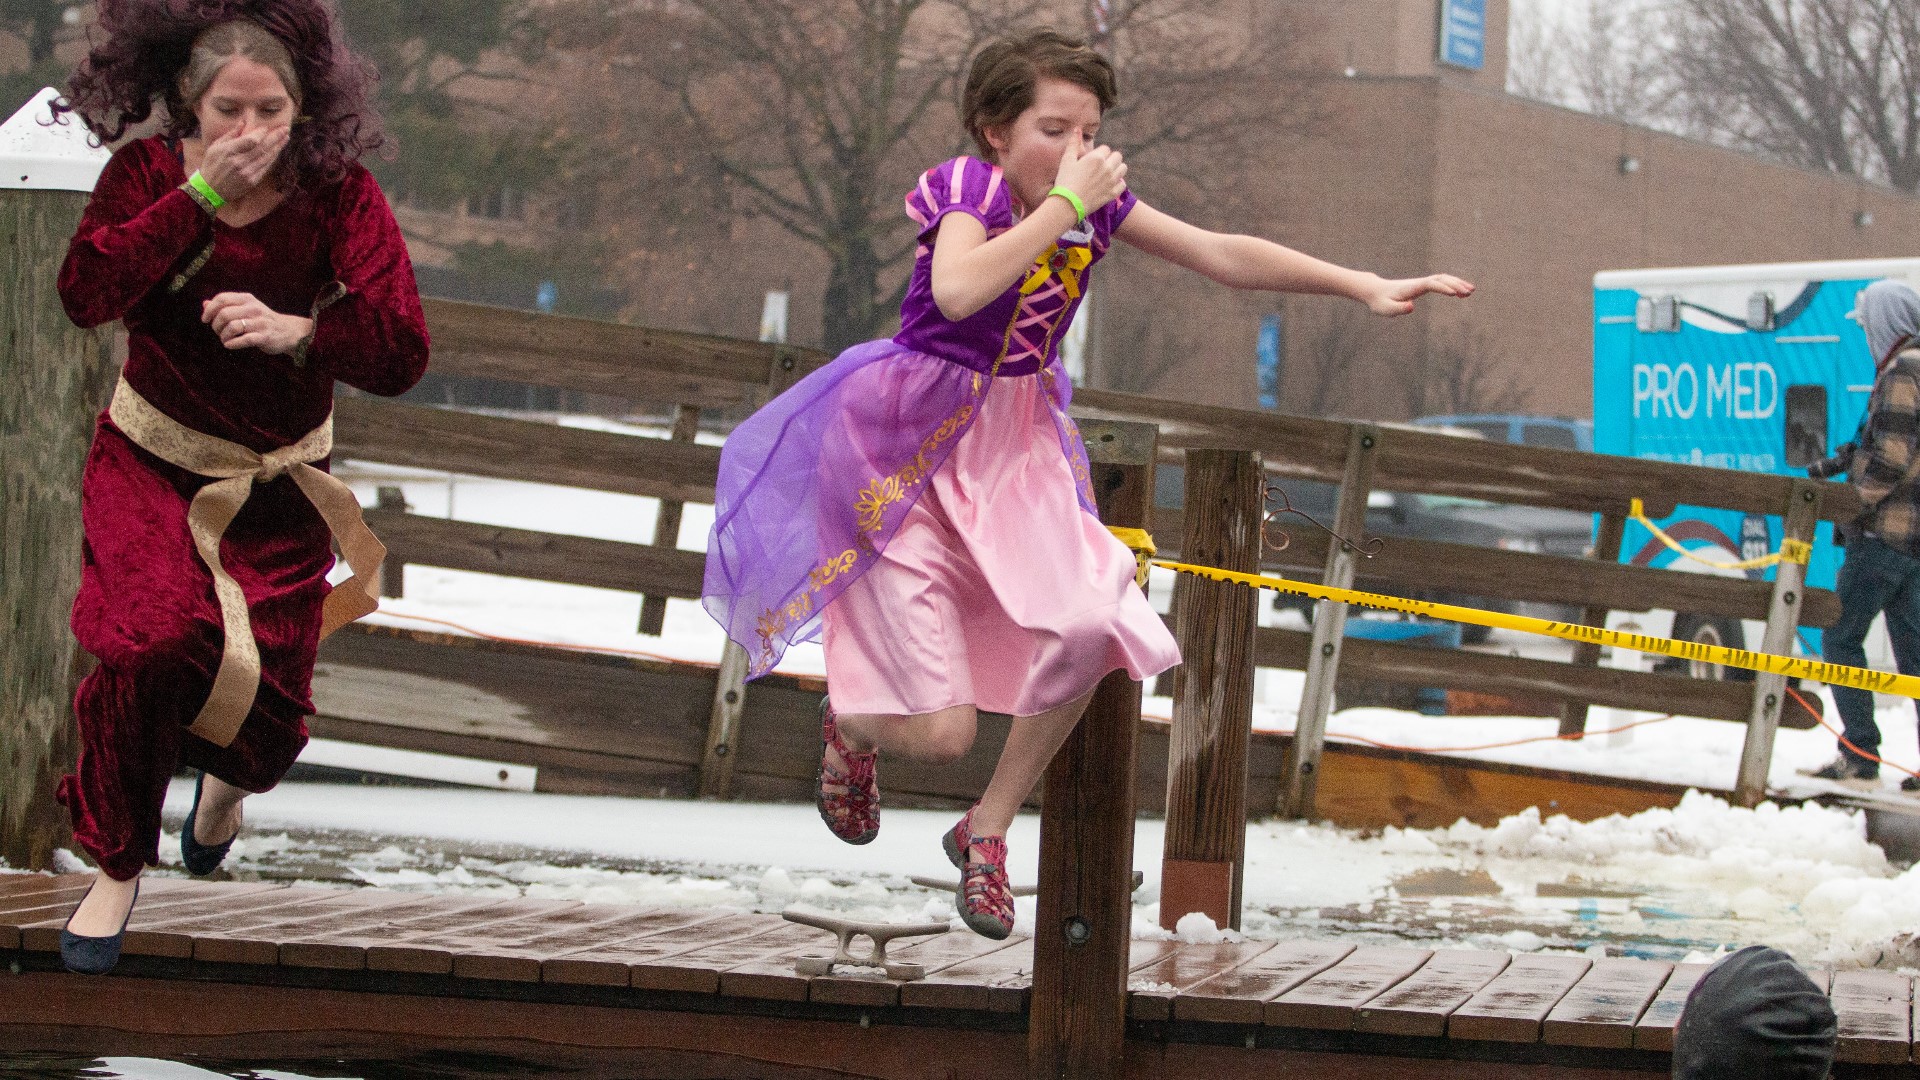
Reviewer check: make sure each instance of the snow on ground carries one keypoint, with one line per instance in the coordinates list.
(1668, 884)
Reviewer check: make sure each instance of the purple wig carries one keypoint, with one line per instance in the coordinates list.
(141, 47)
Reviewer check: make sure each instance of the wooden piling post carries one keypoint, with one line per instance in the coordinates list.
(1606, 548)
(1299, 783)
(1783, 619)
(393, 572)
(666, 525)
(1083, 927)
(1212, 691)
(54, 380)
(730, 684)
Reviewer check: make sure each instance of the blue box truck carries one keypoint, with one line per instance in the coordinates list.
(1759, 368)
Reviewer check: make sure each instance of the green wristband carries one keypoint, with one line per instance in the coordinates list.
(199, 184)
(1079, 208)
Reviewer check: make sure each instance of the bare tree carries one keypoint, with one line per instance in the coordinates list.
(1141, 349)
(1602, 56)
(1208, 92)
(815, 114)
(1828, 84)
(1462, 374)
(1321, 362)
(1536, 64)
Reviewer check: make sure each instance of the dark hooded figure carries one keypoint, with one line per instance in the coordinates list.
(1755, 1016)
(1882, 570)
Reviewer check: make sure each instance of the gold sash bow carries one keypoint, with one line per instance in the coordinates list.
(235, 469)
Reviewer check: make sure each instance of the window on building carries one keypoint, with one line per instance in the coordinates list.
(500, 204)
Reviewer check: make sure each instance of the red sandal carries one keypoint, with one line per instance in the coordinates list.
(853, 812)
(984, 897)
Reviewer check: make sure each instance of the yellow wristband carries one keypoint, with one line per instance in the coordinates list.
(199, 184)
(1079, 208)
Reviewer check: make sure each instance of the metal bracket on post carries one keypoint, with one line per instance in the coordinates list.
(1300, 778)
(1783, 619)
(786, 370)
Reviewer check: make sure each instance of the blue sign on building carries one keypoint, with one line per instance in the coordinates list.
(1463, 33)
(1267, 349)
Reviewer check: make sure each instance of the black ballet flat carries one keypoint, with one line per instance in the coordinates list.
(95, 955)
(201, 859)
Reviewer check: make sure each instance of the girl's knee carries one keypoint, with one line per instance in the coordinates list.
(949, 735)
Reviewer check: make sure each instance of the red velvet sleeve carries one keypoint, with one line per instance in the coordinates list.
(136, 228)
(371, 334)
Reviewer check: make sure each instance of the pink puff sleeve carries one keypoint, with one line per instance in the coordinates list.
(1108, 218)
(965, 185)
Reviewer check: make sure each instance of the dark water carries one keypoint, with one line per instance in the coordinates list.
(432, 1066)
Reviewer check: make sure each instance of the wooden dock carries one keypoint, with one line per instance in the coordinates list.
(239, 968)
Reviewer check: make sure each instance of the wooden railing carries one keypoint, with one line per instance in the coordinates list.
(694, 371)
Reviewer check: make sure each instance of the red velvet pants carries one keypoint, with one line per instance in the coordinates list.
(146, 611)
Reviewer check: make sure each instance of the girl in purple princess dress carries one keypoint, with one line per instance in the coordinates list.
(924, 500)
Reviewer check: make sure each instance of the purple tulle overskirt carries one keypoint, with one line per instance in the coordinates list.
(814, 485)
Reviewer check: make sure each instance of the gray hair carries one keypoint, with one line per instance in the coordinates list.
(1889, 311)
(220, 43)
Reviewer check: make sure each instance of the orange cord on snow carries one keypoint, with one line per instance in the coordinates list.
(1842, 736)
(1500, 745)
(1485, 746)
(640, 653)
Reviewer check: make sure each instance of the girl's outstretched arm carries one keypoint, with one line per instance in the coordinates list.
(969, 270)
(1248, 262)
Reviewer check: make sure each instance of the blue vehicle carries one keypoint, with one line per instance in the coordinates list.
(1756, 367)
(1520, 429)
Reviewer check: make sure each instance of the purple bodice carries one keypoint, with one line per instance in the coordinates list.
(1027, 320)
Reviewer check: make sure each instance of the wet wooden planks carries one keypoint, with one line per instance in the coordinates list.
(1331, 999)
(997, 982)
(1156, 986)
(1875, 1014)
(1420, 1004)
(1603, 1007)
(1515, 1003)
(1654, 1030)
(1320, 985)
(1239, 996)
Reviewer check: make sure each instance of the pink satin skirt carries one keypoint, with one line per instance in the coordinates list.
(998, 591)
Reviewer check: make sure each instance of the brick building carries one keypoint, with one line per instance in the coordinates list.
(1415, 166)
(1422, 167)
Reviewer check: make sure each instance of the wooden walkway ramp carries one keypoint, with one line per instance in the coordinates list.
(236, 967)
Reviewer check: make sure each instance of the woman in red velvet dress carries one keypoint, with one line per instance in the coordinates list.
(254, 261)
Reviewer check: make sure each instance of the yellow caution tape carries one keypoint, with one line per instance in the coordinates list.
(1798, 551)
(1819, 671)
(1140, 542)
